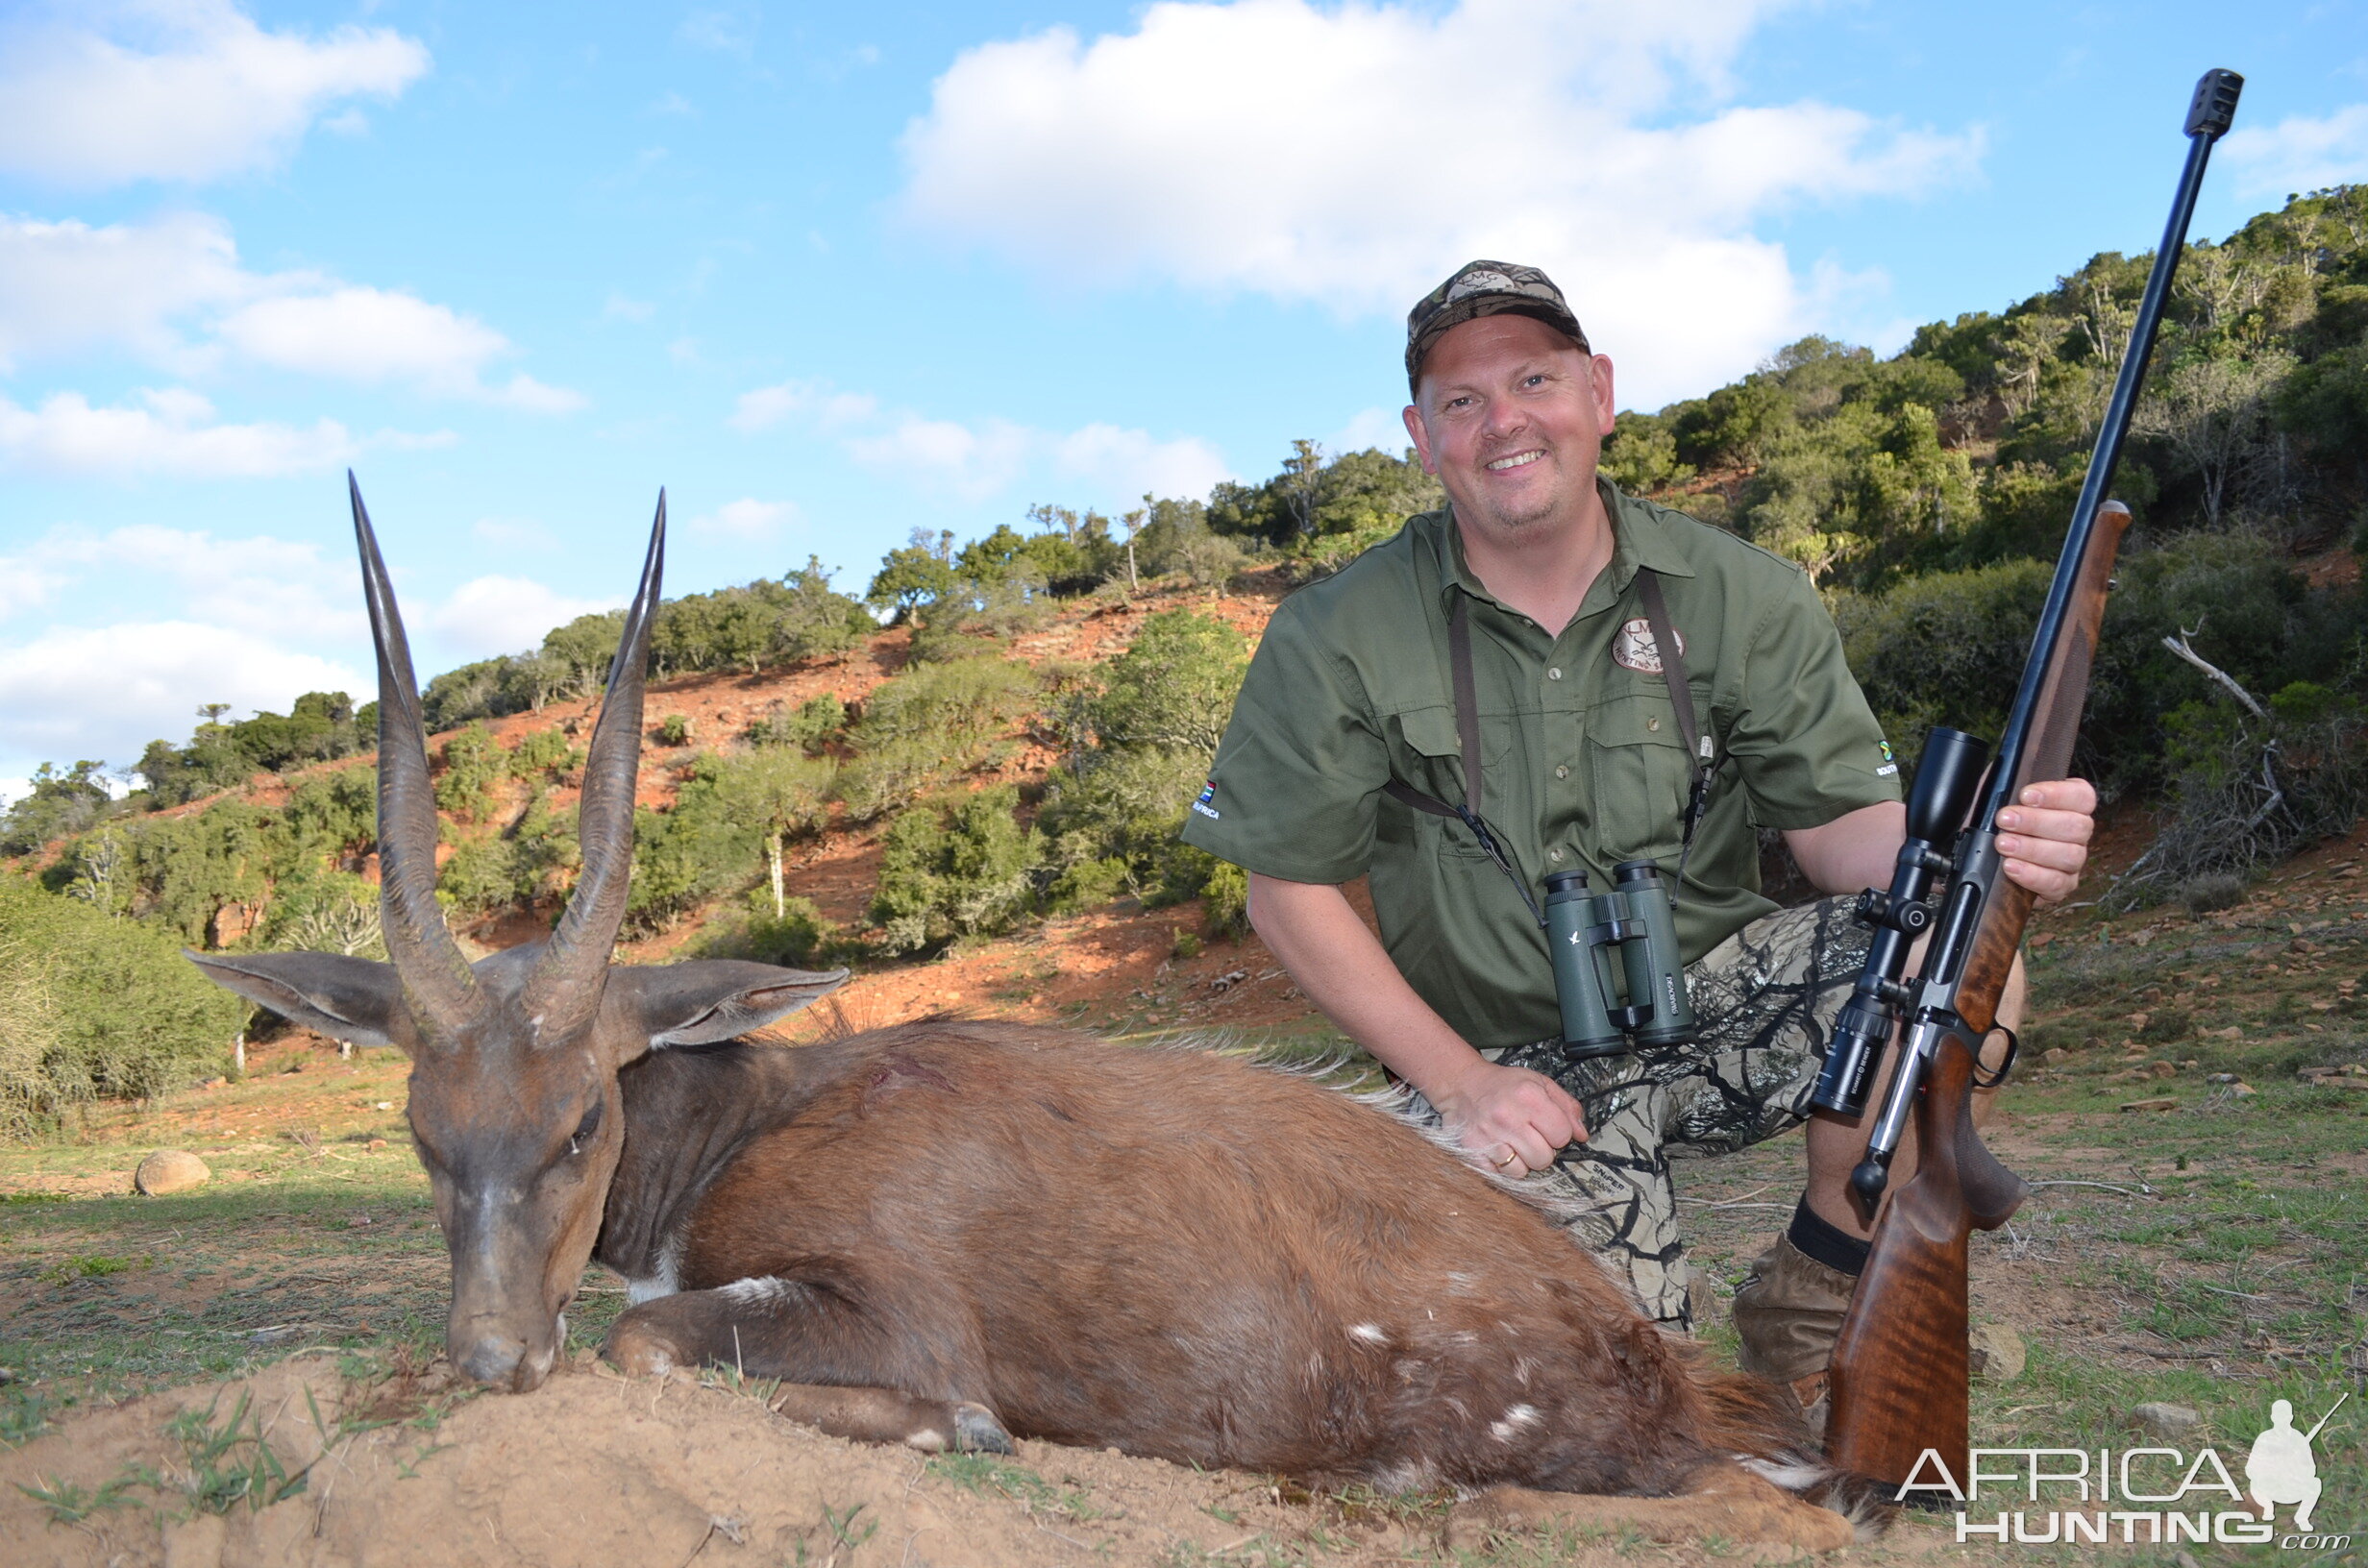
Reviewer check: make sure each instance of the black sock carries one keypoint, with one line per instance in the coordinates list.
(1825, 1242)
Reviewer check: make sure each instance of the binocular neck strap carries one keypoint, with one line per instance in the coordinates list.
(1467, 734)
(1698, 746)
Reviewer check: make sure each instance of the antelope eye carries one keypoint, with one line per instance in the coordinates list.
(586, 1130)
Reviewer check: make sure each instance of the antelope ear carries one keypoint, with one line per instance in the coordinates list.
(699, 1003)
(345, 998)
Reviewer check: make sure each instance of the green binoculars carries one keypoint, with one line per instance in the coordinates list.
(1643, 999)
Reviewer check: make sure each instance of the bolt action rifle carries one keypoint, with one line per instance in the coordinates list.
(1901, 1367)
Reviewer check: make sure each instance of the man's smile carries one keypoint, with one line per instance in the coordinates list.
(1517, 459)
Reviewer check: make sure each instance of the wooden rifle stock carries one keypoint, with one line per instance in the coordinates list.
(1901, 1368)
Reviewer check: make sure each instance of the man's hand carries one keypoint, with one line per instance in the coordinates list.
(2045, 837)
(1511, 1118)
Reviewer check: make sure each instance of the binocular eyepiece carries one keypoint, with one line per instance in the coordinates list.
(1644, 999)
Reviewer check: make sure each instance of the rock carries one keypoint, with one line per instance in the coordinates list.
(2241, 1090)
(2166, 1104)
(2167, 1423)
(170, 1171)
(1998, 1353)
(2160, 1069)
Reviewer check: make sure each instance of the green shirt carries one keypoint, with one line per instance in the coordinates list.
(1583, 767)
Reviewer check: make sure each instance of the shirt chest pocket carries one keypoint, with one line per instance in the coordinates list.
(1641, 779)
(1433, 762)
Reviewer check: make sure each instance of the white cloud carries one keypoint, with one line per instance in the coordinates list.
(1374, 426)
(492, 615)
(262, 580)
(745, 519)
(172, 292)
(621, 309)
(1134, 463)
(175, 90)
(769, 406)
(976, 461)
(2301, 152)
(1353, 157)
(173, 433)
(107, 691)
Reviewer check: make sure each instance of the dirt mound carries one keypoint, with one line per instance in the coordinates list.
(594, 1470)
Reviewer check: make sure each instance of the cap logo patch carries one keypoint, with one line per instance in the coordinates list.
(1634, 649)
(1479, 283)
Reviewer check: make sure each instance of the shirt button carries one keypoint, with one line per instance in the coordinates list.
(1561, 773)
(1553, 854)
(1554, 673)
(1653, 725)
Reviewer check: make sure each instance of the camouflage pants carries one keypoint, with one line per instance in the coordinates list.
(1766, 1000)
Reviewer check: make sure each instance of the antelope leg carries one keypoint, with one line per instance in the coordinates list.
(1724, 1501)
(838, 1370)
(883, 1415)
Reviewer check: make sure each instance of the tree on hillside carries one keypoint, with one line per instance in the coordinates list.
(59, 804)
(782, 791)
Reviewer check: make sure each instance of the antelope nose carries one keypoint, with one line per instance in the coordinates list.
(493, 1359)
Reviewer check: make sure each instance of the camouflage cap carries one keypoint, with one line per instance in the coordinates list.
(1484, 288)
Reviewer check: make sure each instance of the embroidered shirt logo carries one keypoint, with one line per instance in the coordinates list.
(1634, 649)
(1890, 764)
(1208, 793)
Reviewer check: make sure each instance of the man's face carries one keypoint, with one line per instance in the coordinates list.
(1511, 416)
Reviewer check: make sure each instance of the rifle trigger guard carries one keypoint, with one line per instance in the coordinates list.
(2014, 1049)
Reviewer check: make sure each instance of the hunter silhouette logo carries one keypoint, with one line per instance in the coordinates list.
(2139, 1496)
(2282, 1469)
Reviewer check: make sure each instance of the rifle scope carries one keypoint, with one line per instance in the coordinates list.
(1947, 776)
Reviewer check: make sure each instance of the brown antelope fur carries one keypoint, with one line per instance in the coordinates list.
(948, 1232)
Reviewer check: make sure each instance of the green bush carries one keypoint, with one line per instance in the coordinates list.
(953, 866)
(674, 729)
(545, 751)
(928, 725)
(2246, 790)
(1173, 687)
(92, 1006)
(475, 765)
(810, 728)
(327, 912)
(796, 937)
(1225, 896)
(1156, 714)
(691, 852)
(977, 617)
(1949, 647)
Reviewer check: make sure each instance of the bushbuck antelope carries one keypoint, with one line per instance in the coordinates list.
(948, 1232)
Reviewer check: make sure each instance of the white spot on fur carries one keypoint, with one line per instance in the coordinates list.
(753, 1292)
(665, 1282)
(1458, 1283)
(1797, 1476)
(1406, 1476)
(1516, 1420)
(1369, 1333)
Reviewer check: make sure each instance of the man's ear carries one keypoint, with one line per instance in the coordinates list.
(345, 998)
(1420, 434)
(699, 1003)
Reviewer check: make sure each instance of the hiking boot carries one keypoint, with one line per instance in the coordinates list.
(1787, 1314)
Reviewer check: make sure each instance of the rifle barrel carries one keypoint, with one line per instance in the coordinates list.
(2207, 120)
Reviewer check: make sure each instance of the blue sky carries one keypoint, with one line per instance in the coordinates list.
(832, 274)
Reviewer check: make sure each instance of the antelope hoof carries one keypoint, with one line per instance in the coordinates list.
(977, 1431)
(638, 1353)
